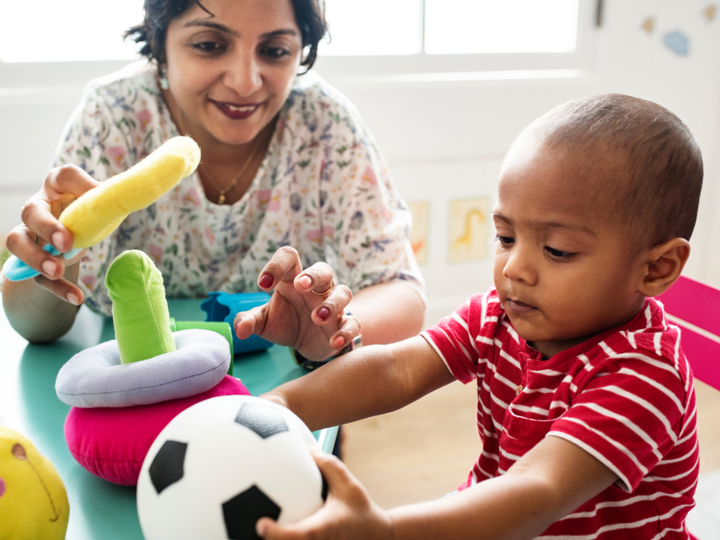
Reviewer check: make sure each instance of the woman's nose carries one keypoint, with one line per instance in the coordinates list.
(244, 75)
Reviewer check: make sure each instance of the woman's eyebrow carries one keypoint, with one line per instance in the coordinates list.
(280, 32)
(210, 24)
(228, 30)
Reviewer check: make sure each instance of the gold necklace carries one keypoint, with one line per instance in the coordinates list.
(235, 180)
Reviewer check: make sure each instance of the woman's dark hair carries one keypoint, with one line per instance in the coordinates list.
(152, 32)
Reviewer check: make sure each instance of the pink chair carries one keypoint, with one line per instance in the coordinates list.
(695, 308)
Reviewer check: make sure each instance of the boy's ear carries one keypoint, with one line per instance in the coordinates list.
(663, 265)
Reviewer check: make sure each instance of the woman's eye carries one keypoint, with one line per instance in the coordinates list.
(274, 52)
(505, 241)
(558, 254)
(208, 46)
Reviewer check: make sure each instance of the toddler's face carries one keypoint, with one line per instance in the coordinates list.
(564, 269)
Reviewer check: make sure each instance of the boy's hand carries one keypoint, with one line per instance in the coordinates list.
(306, 310)
(348, 512)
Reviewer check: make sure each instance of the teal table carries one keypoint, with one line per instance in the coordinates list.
(28, 404)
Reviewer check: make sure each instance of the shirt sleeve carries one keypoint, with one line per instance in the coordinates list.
(465, 337)
(362, 209)
(628, 415)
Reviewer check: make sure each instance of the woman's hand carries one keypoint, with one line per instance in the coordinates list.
(41, 226)
(306, 311)
(348, 512)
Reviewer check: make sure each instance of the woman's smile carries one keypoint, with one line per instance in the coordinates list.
(236, 111)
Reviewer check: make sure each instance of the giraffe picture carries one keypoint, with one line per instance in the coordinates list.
(468, 229)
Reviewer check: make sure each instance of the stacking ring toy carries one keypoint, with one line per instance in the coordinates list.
(124, 392)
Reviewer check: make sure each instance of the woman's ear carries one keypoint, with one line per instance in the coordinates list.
(664, 264)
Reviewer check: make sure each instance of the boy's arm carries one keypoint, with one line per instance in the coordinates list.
(546, 484)
(549, 482)
(372, 380)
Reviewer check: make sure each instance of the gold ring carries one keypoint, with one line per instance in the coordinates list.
(328, 291)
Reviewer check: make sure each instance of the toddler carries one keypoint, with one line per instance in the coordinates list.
(586, 408)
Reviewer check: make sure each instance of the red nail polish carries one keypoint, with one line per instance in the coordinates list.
(266, 281)
(323, 313)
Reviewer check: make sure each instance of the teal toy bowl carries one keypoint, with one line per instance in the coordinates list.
(222, 306)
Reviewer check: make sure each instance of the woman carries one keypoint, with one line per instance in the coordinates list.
(286, 161)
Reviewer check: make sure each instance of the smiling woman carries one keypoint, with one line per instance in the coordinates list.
(286, 163)
(228, 83)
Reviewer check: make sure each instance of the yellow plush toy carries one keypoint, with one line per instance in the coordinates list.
(33, 500)
(98, 212)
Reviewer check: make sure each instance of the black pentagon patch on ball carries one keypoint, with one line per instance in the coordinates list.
(242, 512)
(167, 466)
(262, 419)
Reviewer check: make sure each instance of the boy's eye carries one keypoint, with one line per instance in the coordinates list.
(557, 254)
(505, 241)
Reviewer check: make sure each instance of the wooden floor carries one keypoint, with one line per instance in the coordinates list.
(427, 449)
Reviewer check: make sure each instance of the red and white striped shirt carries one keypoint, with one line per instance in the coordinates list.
(625, 396)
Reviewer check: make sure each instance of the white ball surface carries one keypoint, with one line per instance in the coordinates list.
(195, 479)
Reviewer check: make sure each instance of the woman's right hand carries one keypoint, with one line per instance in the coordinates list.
(313, 323)
(41, 226)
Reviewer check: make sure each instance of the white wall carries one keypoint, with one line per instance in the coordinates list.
(446, 140)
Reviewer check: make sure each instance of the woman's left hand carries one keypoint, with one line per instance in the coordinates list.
(348, 512)
(306, 311)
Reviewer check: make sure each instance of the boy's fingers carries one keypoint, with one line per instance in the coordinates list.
(302, 530)
(344, 490)
(269, 529)
(335, 472)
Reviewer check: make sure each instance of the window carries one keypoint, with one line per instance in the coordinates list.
(445, 40)
(67, 31)
(510, 26)
(77, 39)
(407, 27)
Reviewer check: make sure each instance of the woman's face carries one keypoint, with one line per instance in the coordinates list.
(229, 73)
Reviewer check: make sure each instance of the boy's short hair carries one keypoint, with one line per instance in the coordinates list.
(662, 161)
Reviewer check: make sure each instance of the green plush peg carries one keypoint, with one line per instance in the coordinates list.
(140, 311)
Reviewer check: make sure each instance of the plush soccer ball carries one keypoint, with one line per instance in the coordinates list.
(224, 463)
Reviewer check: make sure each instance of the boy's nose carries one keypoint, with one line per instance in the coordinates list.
(519, 266)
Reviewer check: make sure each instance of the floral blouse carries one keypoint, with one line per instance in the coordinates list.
(323, 188)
